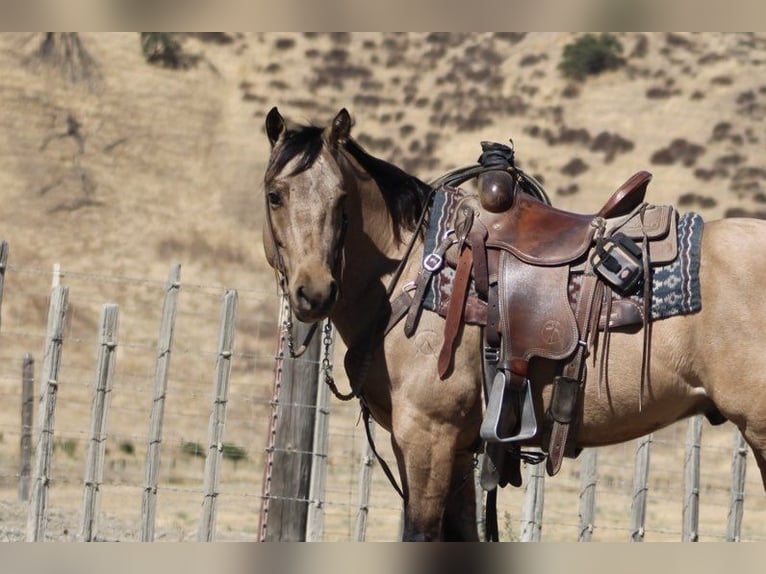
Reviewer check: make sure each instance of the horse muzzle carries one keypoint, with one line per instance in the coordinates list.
(313, 301)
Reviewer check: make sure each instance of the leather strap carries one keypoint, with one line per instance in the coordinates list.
(574, 370)
(477, 237)
(432, 263)
(381, 460)
(455, 310)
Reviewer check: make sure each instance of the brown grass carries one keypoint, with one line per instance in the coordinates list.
(173, 163)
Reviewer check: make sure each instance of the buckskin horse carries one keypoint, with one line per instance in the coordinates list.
(344, 232)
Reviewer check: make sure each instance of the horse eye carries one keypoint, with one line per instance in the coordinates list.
(274, 198)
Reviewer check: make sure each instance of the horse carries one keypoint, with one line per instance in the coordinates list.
(343, 232)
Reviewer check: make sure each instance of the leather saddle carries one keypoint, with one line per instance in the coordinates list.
(537, 269)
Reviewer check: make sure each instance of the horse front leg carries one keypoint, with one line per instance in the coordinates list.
(438, 486)
(459, 521)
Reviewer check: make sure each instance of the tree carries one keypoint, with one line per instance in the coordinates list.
(591, 54)
(164, 49)
(65, 52)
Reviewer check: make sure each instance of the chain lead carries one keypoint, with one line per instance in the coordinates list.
(327, 364)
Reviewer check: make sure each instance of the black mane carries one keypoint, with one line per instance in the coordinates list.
(404, 194)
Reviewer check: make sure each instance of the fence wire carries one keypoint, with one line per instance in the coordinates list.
(189, 396)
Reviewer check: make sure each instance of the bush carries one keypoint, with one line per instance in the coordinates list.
(193, 449)
(591, 54)
(234, 452)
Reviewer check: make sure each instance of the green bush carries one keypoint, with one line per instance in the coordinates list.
(234, 452)
(69, 446)
(591, 54)
(193, 449)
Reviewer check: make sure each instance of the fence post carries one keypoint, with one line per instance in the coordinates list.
(218, 416)
(38, 507)
(162, 366)
(690, 515)
(102, 396)
(318, 479)
(480, 496)
(534, 497)
(737, 497)
(640, 489)
(588, 480)
(288, 468)
(365, 484)
(3, 266)
(27, 409)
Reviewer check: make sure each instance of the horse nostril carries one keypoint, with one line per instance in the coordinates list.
(302, 298)
(308, 299)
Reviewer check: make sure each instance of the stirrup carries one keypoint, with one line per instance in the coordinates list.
(491, 423)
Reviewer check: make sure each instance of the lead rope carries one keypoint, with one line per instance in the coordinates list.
(327, 365)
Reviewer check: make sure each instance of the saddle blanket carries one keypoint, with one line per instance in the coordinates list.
(675, 287)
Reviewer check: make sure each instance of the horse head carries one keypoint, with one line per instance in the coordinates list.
(305, 219)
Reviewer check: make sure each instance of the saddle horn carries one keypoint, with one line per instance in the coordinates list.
(496, 186)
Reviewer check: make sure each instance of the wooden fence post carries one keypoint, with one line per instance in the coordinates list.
(99, 416)
(27, 410)
(3, 266)
(737, 497)
(161, 370)
(206, 531)
(38, 507)
(318, 479)
(286, 485)
(365, 484)
(481, 497)
(534, 497)
(640, 489)
(588, 480)
(690, 514)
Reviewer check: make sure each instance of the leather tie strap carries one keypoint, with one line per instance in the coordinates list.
(432, 263)
(455, 310)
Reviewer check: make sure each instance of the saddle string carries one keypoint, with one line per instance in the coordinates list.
(646, 358)
(603, 371)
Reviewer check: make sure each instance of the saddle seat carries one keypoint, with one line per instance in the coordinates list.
(539, 234)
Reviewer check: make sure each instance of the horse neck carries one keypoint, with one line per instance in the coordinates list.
(371, 255)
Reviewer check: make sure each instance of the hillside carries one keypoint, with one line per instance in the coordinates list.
(170, 162)
(139, 166)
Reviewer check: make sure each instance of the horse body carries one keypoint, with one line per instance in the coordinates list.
(337, 236)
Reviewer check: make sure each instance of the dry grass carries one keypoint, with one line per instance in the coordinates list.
(118, 179)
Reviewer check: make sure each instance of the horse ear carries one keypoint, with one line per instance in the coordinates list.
(275, 125)
(341, 127)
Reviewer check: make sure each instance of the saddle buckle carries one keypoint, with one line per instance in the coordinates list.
(433, 262)
(618, 261)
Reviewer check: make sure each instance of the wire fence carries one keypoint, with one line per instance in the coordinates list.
(250, 403)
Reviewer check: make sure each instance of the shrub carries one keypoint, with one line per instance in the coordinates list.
(193, 449)
(69, 446)
(234, 452)
(591, 54)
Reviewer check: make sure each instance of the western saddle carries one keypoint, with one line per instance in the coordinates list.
(550, 281)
